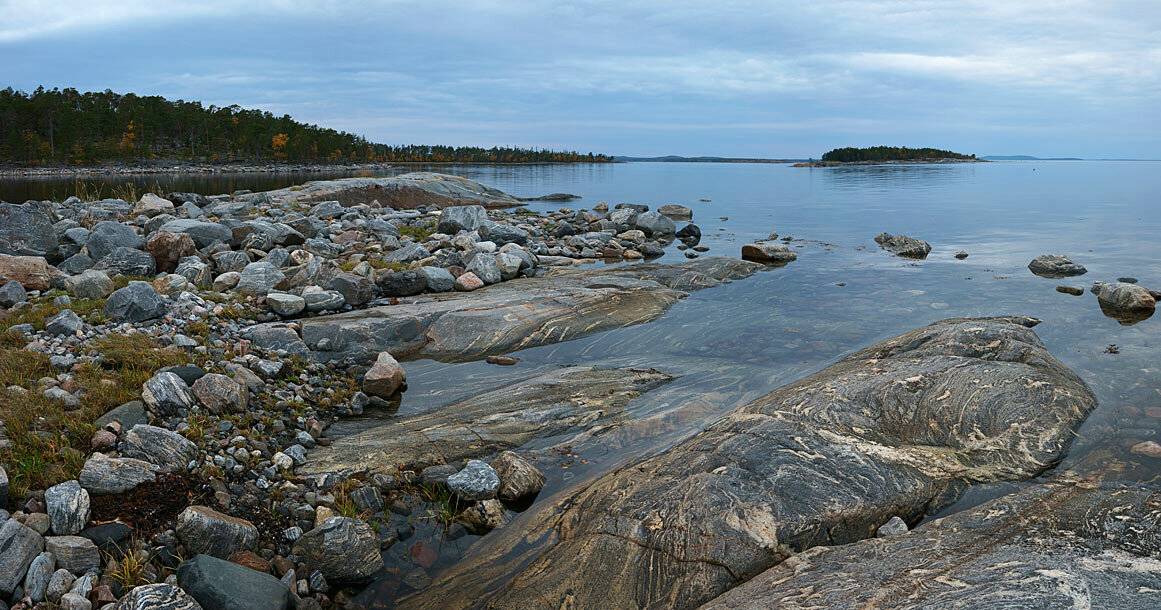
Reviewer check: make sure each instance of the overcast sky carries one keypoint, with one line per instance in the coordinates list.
(629, 77)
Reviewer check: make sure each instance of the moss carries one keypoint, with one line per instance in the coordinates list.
(418, 233)
(39, 313)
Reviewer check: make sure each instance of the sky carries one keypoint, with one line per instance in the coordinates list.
(770, 79)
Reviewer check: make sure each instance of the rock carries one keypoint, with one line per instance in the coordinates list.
(477, 481)
(3, 487)
(68, 507)
(223, 585)
(127, 415)
(20, 545)
(452, 220)
(1122, 295)
(166, 394)
(1147, 449)
(401, 283)
(74, 601)
(259, 279)
(887, 431)
(206, 531)
(623, 217)
(58, 585)
(127, 261)
(110, 538)
(323, 300)
(903, 245)
(157, 597)
(345, 550)
(169, 248)
(483, 517)
(231, 260)
(103, 475)
(765, 252)
(1055, 266)
(36, 580)
(151, 205)
(356, 289)
(137, 302)
(960, 254)
(76, 263)
(468, 282)
(484, 266)
(285, 305)
(66, 322)
(1070, 290)
(89, 285)
(546, 405)
(73, 553)
(502, 360)
(408, 254)
(26, 229)
(519, 479)
(202, 233)
(220, 394)
(108, 235)
(159, 446)
(676, 212)
(193, 269)
(12, 293)
(502, 234)
(690, 234)
(33, 272)
(277, 337)
(894, 527)
(385, 377)
(655, 224)
(438, 279)
(226, 281)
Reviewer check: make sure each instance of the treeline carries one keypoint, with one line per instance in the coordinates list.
(64, 126)
(889, 153)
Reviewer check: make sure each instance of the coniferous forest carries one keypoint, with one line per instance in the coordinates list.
(889, 153)
(64, 126)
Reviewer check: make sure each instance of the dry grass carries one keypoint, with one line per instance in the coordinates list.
(418, 233)
(37, 315)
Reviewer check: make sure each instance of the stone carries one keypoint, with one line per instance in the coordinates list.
(12, 293)
(624, 217)
(166, 394)
(151, 205)
(452, 220)
(127, 261)
(157, 597)
(408, 254)
(484, 266)
(221, 394)
(656, 224)
(401, 283)
(887, 431)
(1122, 295)
(477, 481)
(33, 272)
(961, 254)
(136, 302)
(468, 282)
(127, 415)
(1055, 266)
(231, 260)
(39, 572)
(226, 281)
(356, 289)
(75, 601)
(195, 270)
(68, 507)
(1146, 448)
(259, 279)
(323, 300)
(73, 553)
(690, 234)
(894, 527)
(385, 377)
(27, 229)
(203, 233)
(3, 488)
(223, 585)
(66, 322)
(206, 531)
(766, 252)
(509, 265)
(285, 305)
(345, 550)
(58, 585)
(111, 538)
(502, 234)
(519, 479)
(438, 279)
(108, 235)
(483, 517)
(76, 263)
(903, 245)
(277, 337)
(327, 209)
(89, 285)
(676, 212)
(159, 446)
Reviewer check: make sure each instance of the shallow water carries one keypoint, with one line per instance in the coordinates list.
(734, 343)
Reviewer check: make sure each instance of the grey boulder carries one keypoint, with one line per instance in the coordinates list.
(166, 394)
(90, 284)
(76, 554)
(68, 507)
(259, 279)
(477, 481)
(103, 475)
(159, 446)
(202, 232)
(1055, 266)
(206, 531)
(345, 550)
(224, 585)
(127, 261)
(137, 302)
(903, 245)
(12, 293)
(767, 252)
(461, 218)
(109, 235)
(26, 229)
(20, 545)
(66, 322)
(157, 597)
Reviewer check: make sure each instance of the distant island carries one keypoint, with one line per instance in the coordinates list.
(63, 127)
(680, 159)
(876, 155)
(1027, 158)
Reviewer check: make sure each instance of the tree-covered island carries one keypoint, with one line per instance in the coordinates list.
(888, 154)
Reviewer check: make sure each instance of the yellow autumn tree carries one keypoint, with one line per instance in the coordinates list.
(278, 143)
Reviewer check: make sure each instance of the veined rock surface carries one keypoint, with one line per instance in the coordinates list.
(404, 192)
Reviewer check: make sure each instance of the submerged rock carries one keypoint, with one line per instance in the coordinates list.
(896, 429)
(1055, 266)
(765, 252)
(903, 245)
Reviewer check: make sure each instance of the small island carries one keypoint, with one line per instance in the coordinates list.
(881, 155)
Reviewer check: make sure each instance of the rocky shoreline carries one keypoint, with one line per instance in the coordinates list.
(170, 368)
(177, 167)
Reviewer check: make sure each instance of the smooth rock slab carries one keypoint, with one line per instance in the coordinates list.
(223, 585)
(157, 597)
(895, 429)
(206, 531)
(68, 507)
(345, 550)
(159, 446)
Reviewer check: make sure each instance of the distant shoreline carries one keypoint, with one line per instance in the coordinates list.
(940, 161)
(225, 168)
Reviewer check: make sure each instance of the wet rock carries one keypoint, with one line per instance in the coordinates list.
(127, 261)
(259, 279)
(12, 293)
(157, 597)
(903, 245)
(285, 304)
(690, 234)
(961, 254)
(896, 429)
(168, 249)
(461, 218)
(542, 406)
(385, 377)
(223, 585)
(73, 553)
(1122, 295)
(33, 272)
(68, 507)
(221, 394)
(1147, 449)
(137, 302)
(655, 224)
(89, 285)
(26, 229)
(1055, 266)
(765, 252)
(202, 233)
(166, 394)
(107, 235)
(676, 212)
(206, 531)
(477, 481)
(483, 517)
(519, 479)
(159, 446)
(66, 322)
(345, 550)
(1070, 290)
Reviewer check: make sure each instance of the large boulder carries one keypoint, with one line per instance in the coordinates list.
(676, 212)
(159, 446)
(136, 302)
(206, 531)
(166, 394)
(1055, 266)
(345, 550)
(356, 289)
(903, 245)
(20, 545)
(109, 235)
(127, 261)
(401, 283)
(519, 479)
(1122, 295)
(169, 248)
(221, 394)
(224, 585)
(461, 218)
(103, 475)
(656, 224)
(157, 597)
(259, 279)
(151, 205)
(26, 229)
(76, 554)
(477, 481)
(33, 272)
(768, 252)
(202, 232)
(11, 293)
(385, 377)
(68, 506)
(90, 284)
(897, 429)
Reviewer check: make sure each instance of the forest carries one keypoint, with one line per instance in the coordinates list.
(889, 153)
(64, 126)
